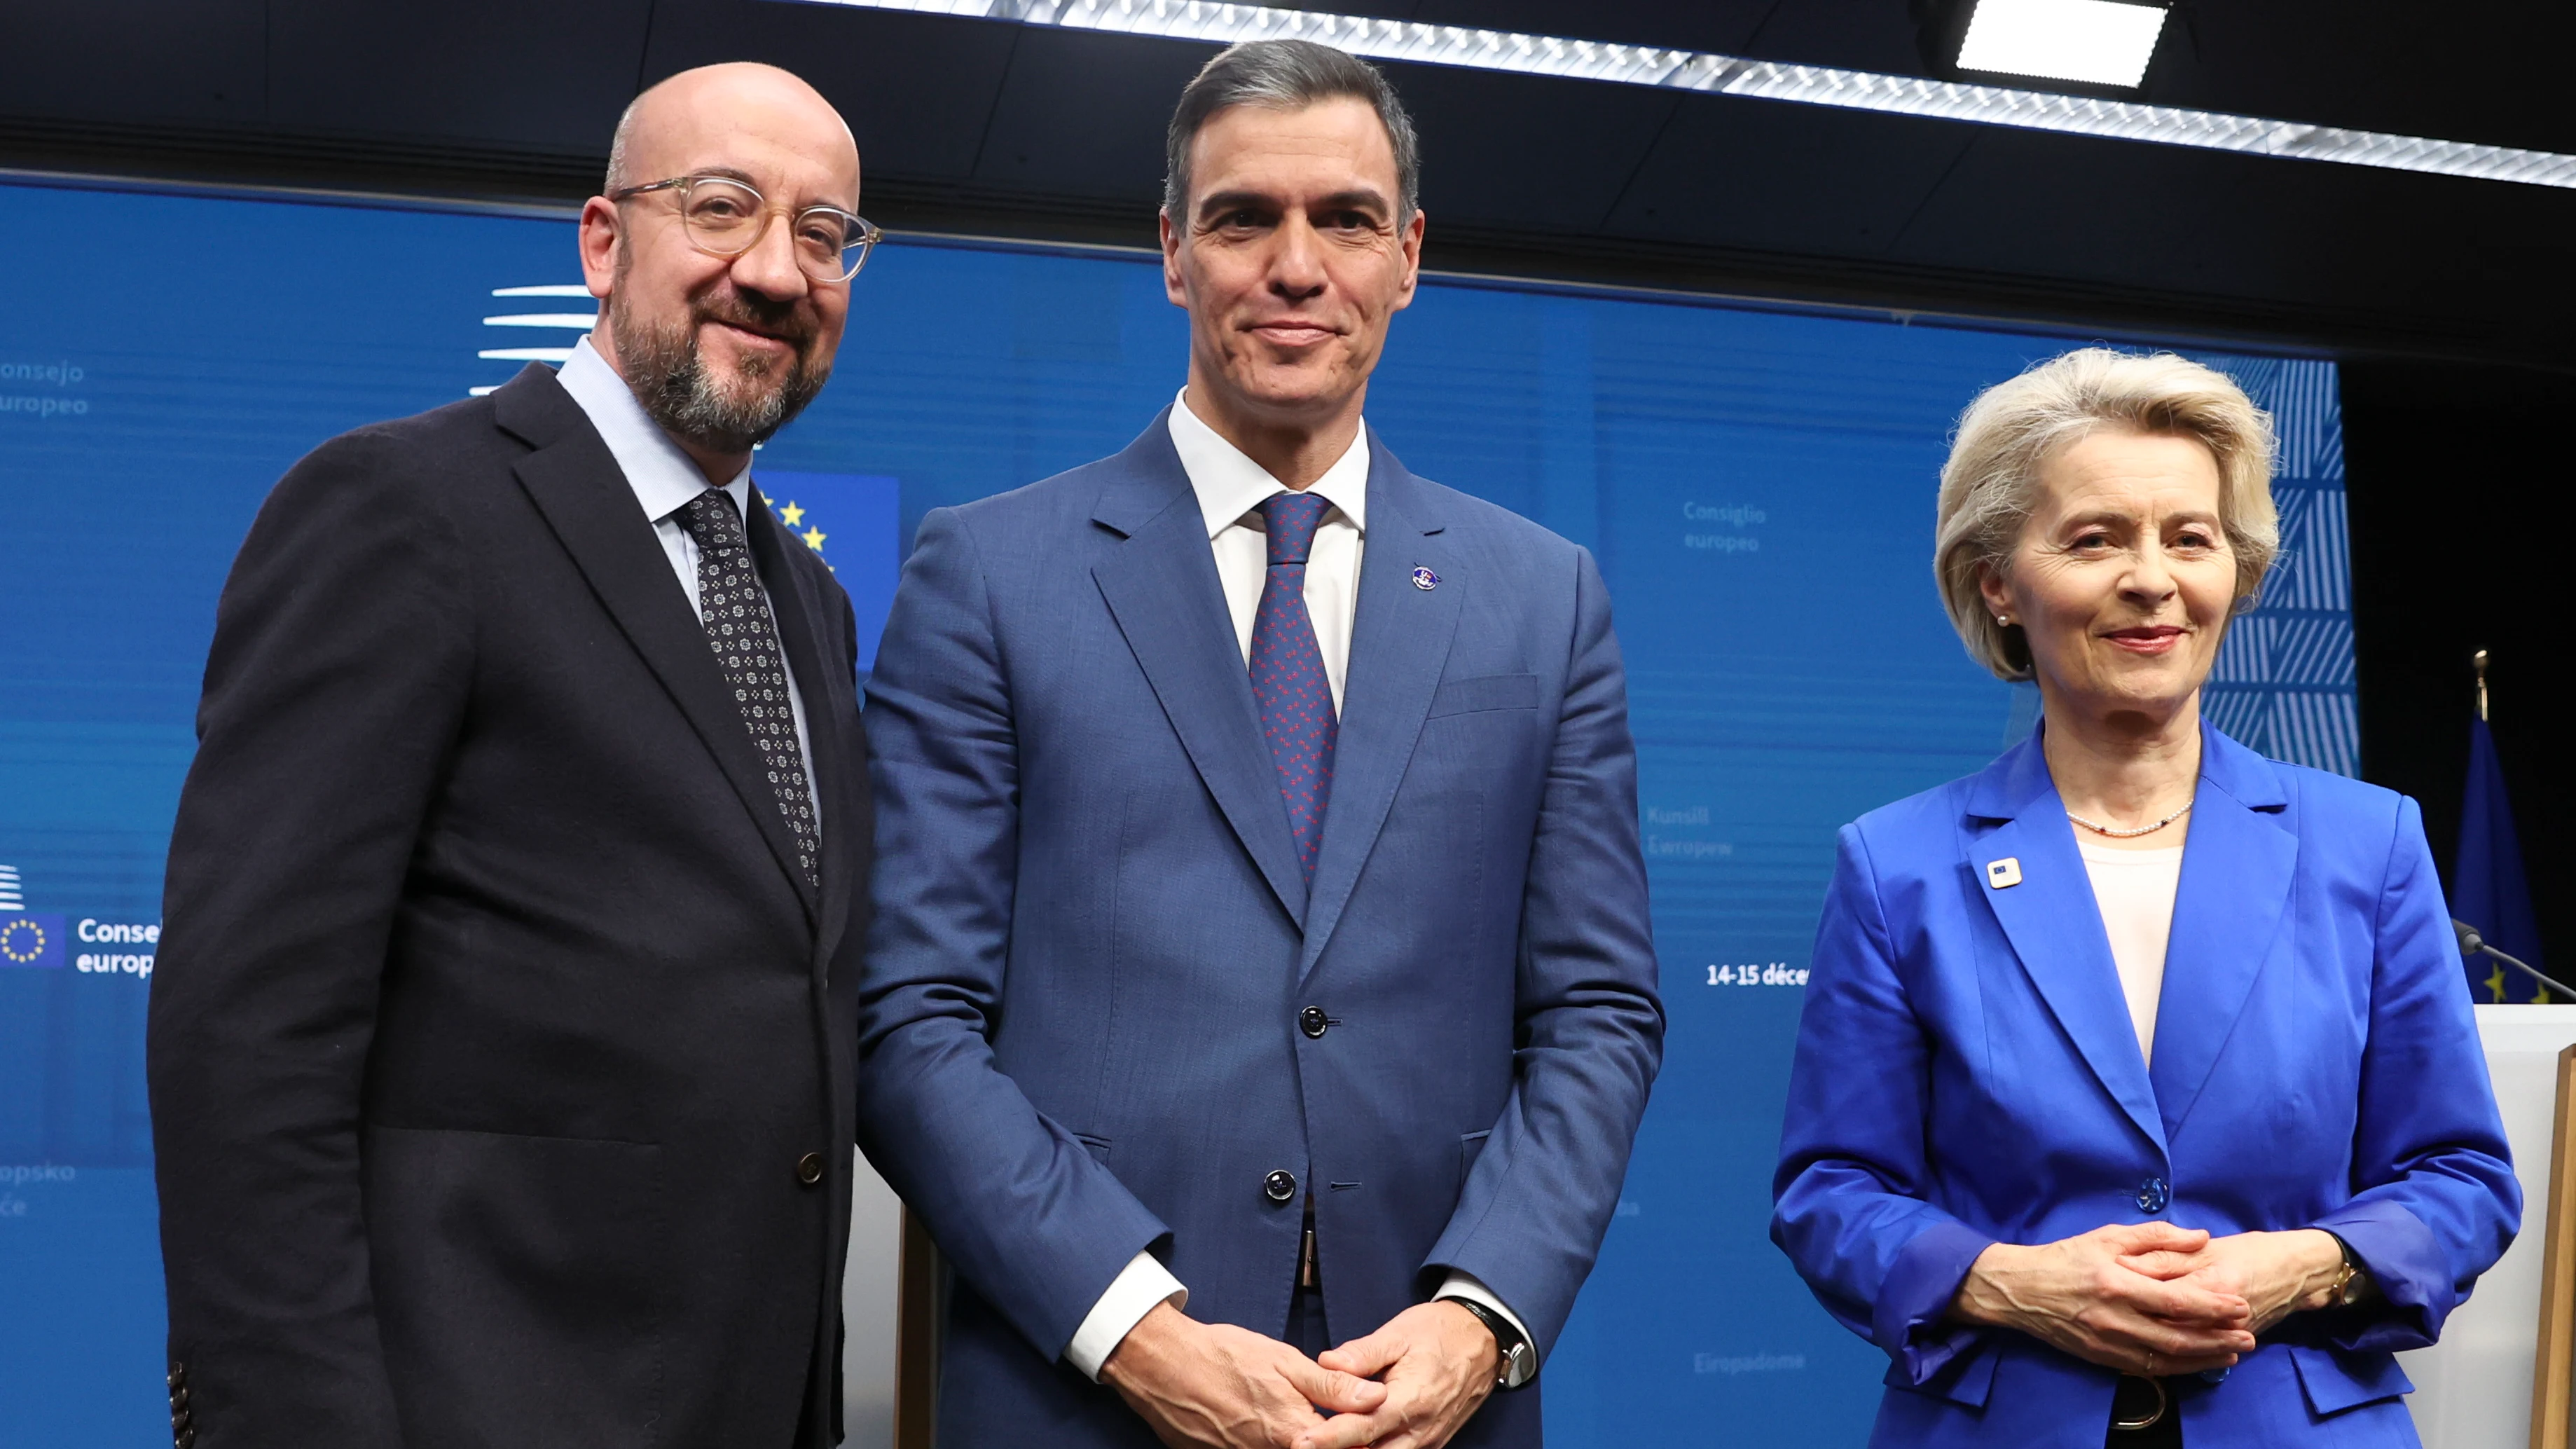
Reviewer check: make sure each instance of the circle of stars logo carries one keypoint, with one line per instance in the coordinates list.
(794, 517)
(21, 940)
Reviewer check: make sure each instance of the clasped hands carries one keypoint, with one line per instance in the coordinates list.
(1410, 1385)
(2151, 1298)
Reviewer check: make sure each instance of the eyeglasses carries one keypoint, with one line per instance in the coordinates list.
(726, 218)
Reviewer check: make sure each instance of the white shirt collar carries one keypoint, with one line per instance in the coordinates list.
(1229, 484)
(665, 478)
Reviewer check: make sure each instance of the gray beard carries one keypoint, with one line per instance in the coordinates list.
(671, 379)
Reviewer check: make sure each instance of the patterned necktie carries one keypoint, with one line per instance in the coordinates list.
(1288, 672)
(736, 614)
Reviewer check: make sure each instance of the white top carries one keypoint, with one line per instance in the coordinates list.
(2135, 890)
(1231, 488)
(666, 480)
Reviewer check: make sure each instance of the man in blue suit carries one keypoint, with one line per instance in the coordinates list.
(1261, 959)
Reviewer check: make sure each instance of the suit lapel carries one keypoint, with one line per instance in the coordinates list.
(1399, 645)
(2237, 866)
(2055, 926)
(1161, 587)
(576, 484)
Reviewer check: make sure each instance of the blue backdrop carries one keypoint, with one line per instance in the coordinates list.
(1758, 484)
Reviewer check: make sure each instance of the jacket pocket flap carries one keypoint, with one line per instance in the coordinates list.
(2336, 1381)
(1486, 691)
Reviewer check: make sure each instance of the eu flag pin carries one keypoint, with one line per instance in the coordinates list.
(1425, 580)
(2004, 872)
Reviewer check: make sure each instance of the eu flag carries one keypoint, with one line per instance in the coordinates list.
(29, 939)
(854, 520)
(2487, 886)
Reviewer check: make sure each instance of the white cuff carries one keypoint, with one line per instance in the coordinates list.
(1139, 1286)
(1464, 1285)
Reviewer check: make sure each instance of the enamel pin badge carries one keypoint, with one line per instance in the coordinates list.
(2004, 872)
(1425, 580)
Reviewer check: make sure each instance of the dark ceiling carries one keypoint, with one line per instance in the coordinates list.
(986, 127)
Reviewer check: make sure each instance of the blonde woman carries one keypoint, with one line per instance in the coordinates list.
(2137, 1093)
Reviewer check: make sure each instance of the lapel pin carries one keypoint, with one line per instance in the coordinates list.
(1425, 580)
(2004, 872)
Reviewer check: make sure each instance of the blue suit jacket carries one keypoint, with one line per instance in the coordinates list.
(1079, 1032)
(1967, 1074)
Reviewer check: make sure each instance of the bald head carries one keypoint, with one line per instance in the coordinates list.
(723, 325)
(715, 105)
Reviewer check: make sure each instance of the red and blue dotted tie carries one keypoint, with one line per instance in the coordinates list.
(1288, 672)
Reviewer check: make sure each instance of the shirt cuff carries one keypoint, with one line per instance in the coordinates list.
(1139, 1287)
(1464, 1285)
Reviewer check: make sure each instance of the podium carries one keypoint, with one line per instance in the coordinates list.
(2489, 1384)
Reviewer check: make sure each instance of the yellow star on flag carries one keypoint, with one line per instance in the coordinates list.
(814, 539)
(2495, 983)
(793, 514)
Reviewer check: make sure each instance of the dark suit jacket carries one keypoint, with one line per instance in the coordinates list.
(1094, 946)
(492, 1019)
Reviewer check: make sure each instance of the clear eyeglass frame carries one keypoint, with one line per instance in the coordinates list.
(714, 230)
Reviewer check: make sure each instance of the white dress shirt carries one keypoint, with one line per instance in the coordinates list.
(2135, 890)
(1231, 488)
(666, 480)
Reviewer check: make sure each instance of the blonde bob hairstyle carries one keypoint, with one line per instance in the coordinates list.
(1990, 485)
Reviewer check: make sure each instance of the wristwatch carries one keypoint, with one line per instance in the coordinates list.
(1518, 1363)
(2352, 1281)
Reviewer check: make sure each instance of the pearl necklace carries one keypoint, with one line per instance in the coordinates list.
(2130, 834)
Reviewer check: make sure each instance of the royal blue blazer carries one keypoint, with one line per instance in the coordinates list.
(1967, 1074)
(1083, 1019)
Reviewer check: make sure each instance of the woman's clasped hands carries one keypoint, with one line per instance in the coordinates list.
(2150, 1298)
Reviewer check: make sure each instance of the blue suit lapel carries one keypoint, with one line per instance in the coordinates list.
(1399, 645)
(2055, 927)
(2237, 866)
(1162, 588)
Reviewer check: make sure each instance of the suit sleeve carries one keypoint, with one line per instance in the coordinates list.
(1590, 1013)
(338, 676)
(1015, 1202)
(1848, 1197)
(2435, 1202)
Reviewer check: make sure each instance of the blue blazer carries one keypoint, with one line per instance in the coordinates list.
(1080, 1013)
(1967, 1074)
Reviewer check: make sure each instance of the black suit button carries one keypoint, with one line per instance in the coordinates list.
(180, 1422)
(809, 1168)
(185, 1439)
(178, 1376)
(1312, 1021)
(179, 1397)
(1279, 1186)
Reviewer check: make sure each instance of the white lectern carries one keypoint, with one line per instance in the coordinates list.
(2473, 1389)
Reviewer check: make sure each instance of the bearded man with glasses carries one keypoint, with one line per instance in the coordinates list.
(500, 1051)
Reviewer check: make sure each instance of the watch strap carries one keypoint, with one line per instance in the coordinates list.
(1516, 1361)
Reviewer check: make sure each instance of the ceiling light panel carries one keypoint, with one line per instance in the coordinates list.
(2093, 42)
(1770, 80)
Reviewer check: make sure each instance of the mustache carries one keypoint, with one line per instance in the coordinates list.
(789, 320)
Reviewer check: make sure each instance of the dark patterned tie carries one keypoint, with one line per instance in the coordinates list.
(736, 614)
(1288, 672)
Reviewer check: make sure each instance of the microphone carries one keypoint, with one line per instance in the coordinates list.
(2472, 944)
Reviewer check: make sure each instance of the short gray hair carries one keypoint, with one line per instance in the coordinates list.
(1990, 485)
(1286, 75)
(615, 181)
